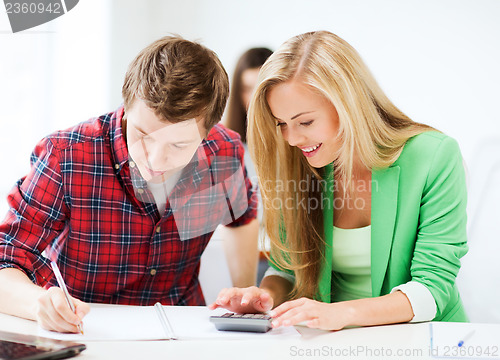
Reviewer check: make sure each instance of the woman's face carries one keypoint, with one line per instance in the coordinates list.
(307, 120)
(248, 82)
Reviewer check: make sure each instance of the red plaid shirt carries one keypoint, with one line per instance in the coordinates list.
(119, 250)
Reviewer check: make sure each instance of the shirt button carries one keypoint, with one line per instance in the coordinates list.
(152, 272)
(131, 164)
(158, 229)
(117, 166)
(140, 191)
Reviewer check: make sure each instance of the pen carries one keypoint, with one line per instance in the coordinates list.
(465, 338)
(63, 287)
(164, 321)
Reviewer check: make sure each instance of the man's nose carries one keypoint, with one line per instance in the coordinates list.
(158, 157)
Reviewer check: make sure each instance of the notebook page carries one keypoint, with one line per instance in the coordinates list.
(115, 322)
(120, 322)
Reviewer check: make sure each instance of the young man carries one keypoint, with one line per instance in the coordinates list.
(139, 192)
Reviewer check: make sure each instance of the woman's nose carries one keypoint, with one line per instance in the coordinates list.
(294, 137)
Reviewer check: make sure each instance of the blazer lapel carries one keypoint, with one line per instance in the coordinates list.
(385, 184)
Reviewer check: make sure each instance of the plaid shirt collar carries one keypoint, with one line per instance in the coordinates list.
(117, 139)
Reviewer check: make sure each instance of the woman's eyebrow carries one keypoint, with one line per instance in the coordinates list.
(299, 114)
(295, 116)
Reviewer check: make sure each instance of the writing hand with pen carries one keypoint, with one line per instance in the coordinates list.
(56, 309)
(53, 312)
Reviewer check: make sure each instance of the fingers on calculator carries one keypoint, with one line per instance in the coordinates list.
(243, 300)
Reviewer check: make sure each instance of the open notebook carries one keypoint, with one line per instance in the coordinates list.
(120, 322)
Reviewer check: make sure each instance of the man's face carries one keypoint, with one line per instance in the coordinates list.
(160, 148)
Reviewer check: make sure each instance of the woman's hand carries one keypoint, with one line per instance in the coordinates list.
(53, 312)
(244, 300)
(313, 313)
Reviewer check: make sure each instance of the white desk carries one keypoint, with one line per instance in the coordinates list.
(405, 341)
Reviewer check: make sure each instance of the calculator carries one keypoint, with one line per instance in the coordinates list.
(242, 322)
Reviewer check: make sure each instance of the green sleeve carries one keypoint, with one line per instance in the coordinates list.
(442, 239)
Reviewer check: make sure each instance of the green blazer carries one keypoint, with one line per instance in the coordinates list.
(418, 223)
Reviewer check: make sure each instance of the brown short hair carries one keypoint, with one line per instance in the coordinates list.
(179, 80)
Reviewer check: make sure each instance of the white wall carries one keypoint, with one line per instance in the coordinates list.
(51, 77)
(436, 59)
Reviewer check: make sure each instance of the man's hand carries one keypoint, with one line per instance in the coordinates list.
(242, 254)
(53, 312)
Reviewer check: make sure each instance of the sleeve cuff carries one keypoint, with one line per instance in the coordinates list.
(421, 300)
(272, 271)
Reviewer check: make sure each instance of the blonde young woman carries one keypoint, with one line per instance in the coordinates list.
(377, 235)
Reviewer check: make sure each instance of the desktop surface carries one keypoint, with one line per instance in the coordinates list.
(400, 341)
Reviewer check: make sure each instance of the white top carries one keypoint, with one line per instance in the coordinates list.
(351, 266)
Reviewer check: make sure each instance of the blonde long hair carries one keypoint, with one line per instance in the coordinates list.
(370, 127)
